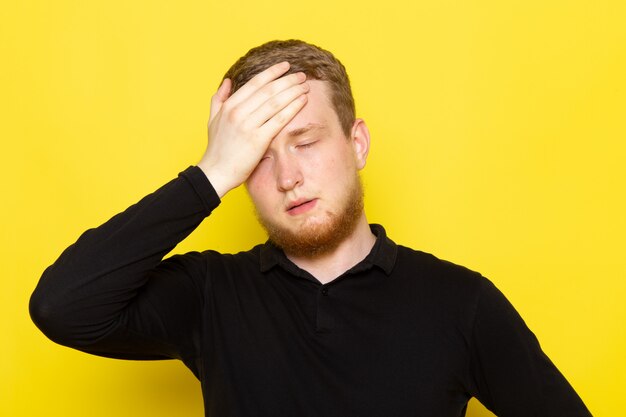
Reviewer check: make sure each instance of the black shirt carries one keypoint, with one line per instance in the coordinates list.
(400, 334)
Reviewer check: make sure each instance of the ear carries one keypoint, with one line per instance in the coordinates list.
(360, 139)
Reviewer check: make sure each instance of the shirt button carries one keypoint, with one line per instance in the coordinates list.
(324, 291)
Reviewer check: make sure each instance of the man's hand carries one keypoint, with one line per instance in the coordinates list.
(242, 126)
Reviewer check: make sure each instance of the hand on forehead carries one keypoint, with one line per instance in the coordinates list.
(242, 125)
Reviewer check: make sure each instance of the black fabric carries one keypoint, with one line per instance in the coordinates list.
(400, 334)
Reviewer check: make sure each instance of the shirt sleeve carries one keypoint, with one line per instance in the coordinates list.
(112, 294)
(510, 373)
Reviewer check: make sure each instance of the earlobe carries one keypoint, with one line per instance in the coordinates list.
(360, 136)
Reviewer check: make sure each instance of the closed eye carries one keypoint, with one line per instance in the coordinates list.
(306, 145)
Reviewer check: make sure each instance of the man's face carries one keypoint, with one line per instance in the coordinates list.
(306, 189)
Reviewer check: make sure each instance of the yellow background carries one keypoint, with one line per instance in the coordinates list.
(498, 132)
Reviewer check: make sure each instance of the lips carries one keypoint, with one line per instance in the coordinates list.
(301, 205)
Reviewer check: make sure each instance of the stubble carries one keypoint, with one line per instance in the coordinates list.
(312, 238)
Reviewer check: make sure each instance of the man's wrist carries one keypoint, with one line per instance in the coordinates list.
(202, 187)
(216, 180)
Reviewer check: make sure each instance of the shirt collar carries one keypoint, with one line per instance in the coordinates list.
(382, 255)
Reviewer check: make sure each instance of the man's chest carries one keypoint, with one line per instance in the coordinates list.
(352, 348)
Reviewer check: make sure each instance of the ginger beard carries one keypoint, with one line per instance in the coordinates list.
(315, 238)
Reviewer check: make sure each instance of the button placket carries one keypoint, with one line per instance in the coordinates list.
(325, 319)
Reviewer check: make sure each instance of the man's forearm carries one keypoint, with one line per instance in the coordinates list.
(83, 293)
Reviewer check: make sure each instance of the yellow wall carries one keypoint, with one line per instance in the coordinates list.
(498, 142)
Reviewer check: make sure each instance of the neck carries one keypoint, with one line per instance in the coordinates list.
(352, 250)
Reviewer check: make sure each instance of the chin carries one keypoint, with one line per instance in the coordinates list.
(318, 234)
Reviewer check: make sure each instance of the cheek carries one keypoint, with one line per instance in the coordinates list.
(259, 189)
(258, 180)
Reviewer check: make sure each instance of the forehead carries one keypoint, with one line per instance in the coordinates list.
(318, 110)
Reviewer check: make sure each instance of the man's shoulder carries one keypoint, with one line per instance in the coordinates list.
(442, 288)
(433, 271)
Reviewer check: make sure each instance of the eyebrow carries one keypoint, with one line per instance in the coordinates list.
(302, 130)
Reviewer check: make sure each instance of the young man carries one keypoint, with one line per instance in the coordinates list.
(329, 317)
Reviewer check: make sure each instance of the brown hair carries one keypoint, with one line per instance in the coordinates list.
(315, 62)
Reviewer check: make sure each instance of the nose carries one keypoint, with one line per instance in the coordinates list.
(288, 173)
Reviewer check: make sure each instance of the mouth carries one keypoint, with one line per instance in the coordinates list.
(301, 206)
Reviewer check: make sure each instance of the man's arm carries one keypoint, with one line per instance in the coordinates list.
(100, 295)
(510, 374)
(110, 293)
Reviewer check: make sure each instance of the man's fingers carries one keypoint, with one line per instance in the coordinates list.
(258, 81)
(275, 124)
(220, 96)
(276, 103)
(269, 93)
(270, 99)
(224, 91)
